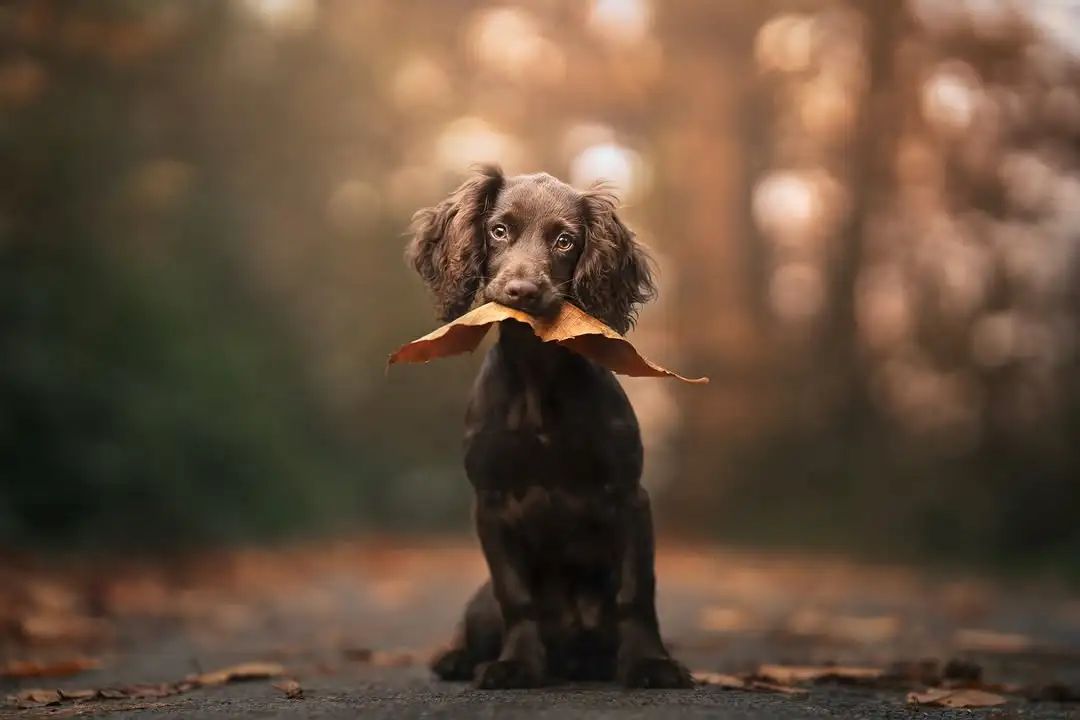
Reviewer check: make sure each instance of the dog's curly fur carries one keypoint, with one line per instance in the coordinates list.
(552, 444)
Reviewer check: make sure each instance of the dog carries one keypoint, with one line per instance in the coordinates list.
(552, 445)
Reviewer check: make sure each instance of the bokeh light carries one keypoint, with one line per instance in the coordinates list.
(625, 21)
(865, 219)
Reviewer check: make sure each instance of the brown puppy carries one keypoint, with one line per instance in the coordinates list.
(552, 444)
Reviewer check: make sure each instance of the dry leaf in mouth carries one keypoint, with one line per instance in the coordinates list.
(968, 698)
(572, 329)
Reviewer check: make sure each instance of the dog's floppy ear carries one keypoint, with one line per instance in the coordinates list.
(614, 275)
(447, 247)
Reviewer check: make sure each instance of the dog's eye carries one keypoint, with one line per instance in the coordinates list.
(498, 231)
(564, 243)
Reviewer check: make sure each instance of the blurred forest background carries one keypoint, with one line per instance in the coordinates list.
(866, 215)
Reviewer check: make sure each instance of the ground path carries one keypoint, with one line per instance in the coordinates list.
(348, 622)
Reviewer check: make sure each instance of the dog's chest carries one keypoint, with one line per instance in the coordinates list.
(559, 507)
(570, 526)
(533, 437)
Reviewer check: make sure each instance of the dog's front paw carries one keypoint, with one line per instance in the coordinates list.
(507, 675)
(453, 665)
(656, 673)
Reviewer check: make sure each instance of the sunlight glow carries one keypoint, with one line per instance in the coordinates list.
(470, 140)
(622, 20)
(285, 16)
(610, 162)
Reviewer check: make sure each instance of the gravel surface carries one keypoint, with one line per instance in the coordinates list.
(407, 697)
(408, 694)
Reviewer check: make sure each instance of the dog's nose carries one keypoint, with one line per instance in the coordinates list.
(522, 291)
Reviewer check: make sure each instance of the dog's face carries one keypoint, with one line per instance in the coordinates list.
(530, 242)
(534, 237)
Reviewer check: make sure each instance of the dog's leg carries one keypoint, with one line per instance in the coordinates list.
(643, 661)
(521, 663)
(477, 640)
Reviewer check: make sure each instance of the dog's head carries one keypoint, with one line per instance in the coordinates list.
(530, 242)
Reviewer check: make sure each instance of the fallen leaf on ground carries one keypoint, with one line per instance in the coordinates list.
(62, 668)
(143, 692)
(937, 697)
(392, 659)
(380, 658)
(84, 694)
(36, 698)
(991, 641)
(728, 682)
(244, 671)
(291, 688)
(572, 329)
(735, 682)
(112, 694)
(794, 674)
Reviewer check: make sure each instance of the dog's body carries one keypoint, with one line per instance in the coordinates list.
(552, 444)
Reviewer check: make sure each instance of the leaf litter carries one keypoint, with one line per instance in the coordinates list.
(737, 682)
(965, 698)
(929, 683)
(958, 685)
(39, 697)
(291, 688)
(380, 658)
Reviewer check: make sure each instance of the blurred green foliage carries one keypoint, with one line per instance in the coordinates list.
(149, 401)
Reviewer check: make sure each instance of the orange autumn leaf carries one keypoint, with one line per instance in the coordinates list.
(721, 680)
(36, 697)
(290, 688)
(967, 698)
(244, 671)
(736, 682)
(792, 674)
(571, 328)
(61, 668)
